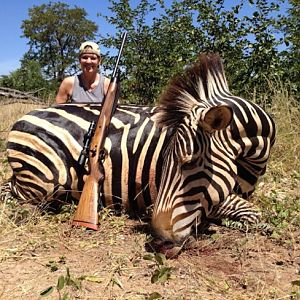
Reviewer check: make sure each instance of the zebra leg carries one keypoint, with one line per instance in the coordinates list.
(236, 209)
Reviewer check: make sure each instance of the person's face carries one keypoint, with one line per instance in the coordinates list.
(89, 62)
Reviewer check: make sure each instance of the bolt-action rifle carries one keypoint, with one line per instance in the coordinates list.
(87, 210)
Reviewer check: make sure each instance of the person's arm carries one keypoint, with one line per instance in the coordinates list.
(65, 90)
(106, 84)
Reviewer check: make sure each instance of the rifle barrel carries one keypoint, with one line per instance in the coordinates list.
(114, 74)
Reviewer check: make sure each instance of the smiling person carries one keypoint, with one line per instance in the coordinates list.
(89, 86)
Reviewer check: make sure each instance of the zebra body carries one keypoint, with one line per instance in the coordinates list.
(197, 155)
(44, 146)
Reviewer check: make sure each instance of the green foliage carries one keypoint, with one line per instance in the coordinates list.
(55, 32)
(164, 39)
(282, 213)
(54, 265)
(260, 59)
(48, 291)
(153, 296)
(63, 281)
(154, 51)
(139, 83)
(263, 228)
(291, 57)
(28, 77)
(2, 144)
(258, 43)
(161, 273)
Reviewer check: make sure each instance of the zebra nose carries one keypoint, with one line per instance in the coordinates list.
(161, 225)
(168, 228)
(163, 228)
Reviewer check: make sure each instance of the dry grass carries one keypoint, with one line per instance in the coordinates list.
(9, 113)
(279, 190)
(286, 112)
(39, 249)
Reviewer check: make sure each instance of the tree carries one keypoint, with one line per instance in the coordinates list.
(55, 32)
(151, 53)
(164, 39)
(137, 75)
(291, 56)
(27, 78)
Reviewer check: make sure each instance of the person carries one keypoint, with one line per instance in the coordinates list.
(89, 86)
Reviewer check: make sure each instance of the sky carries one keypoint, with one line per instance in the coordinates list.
(13, 12)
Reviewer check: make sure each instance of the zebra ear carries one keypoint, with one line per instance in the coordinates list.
(217, 118)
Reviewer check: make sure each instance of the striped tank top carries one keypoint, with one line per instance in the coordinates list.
(81, 95)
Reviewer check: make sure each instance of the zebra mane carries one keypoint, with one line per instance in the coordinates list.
(195, 86)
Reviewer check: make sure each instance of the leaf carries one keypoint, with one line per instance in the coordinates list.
(47, 291)
(160, 258)
(52, 265)
(68, 277)
(154, 295)
(161, 275)
(91, 278)
(62, 260)
(60, 283)
(296, 282)
(148, 257)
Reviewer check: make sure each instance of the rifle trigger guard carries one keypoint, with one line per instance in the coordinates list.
(103, 153)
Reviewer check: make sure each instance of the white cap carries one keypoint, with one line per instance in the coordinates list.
(89, 47)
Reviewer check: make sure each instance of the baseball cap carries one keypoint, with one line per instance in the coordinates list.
(89, 47)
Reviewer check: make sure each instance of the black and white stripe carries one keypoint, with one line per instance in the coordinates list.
(44, 146)
(181, 155)
(207, 173)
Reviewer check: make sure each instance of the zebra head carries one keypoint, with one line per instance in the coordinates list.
(198, 171)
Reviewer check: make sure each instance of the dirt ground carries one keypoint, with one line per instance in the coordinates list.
(42, 257)
(113, 263)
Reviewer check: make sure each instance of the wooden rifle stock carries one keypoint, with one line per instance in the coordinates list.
(87, 210)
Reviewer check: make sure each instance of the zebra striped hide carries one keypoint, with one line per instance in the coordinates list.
(197, 155)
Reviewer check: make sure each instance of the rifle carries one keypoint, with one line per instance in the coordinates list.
(86, 145)
(87, 210)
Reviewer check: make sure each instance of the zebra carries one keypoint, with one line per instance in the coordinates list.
(208, 173)
(197, 155)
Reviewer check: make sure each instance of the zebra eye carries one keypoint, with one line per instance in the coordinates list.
(188, 166)
(188, 162)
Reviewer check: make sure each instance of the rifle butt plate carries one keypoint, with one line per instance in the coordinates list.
(92, 226)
